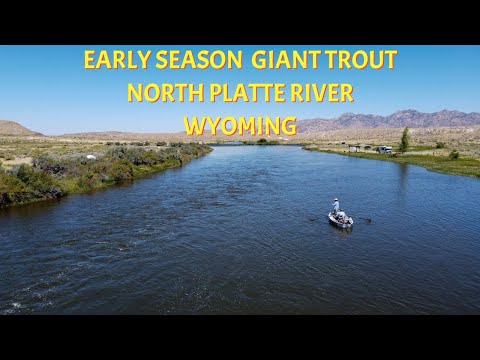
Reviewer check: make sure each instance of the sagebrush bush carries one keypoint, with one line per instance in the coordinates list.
(13, 190)
(40, 182)
(50, 165)
(89, 181)
(120, 170)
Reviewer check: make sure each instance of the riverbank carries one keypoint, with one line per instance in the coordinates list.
(51, 176)
(442, 164)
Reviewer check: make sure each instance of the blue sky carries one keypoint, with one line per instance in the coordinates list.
(47, 89)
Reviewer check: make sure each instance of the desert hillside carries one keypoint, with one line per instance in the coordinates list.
(400, 119)
(13, 128)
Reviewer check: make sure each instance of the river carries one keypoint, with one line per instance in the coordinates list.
(244, 230)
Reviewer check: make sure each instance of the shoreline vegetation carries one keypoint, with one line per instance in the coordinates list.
(443, 164)
(51, 176)
(262, 141)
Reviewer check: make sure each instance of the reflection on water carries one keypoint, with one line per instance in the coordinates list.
(245, 230)
(403, 176)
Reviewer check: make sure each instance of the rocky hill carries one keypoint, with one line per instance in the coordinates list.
(400, 119)
(13, 128)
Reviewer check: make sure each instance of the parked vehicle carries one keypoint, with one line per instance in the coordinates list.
(384, 149)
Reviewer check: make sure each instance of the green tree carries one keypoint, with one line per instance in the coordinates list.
(405, 140)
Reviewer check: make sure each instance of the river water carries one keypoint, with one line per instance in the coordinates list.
(244, 230)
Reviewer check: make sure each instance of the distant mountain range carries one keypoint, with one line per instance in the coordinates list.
(13, 128)
(400, 119)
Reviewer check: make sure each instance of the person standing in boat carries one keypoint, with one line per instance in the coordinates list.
(336, 206)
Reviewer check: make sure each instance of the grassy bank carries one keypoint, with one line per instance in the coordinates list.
(53, 177)
(442, 164)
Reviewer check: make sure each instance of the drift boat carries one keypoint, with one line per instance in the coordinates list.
(347, 224)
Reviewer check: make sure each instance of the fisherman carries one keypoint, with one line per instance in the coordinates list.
(336, 206)
(342, 216)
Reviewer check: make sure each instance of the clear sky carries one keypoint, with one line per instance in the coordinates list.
(47, 89)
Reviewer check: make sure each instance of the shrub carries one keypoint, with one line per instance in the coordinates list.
(117, 152)
(120, 170)
(89, 181)
(148, 158)
(50, 165)
(440, 145)
(100, 167)
(13, 190)
(24, 173)
(454, 155)
(161, 143)
(262, 141)
(42, 183)
(135, 156)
